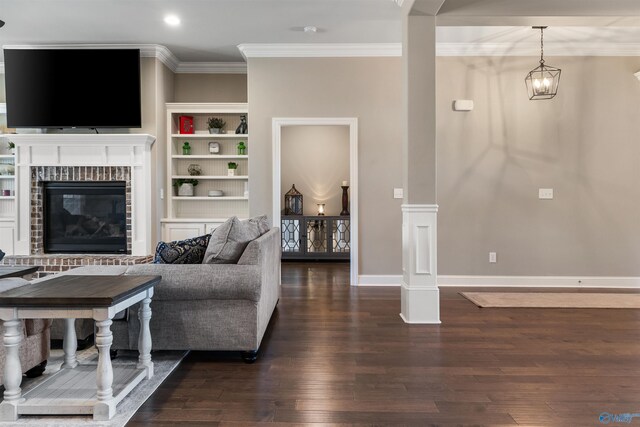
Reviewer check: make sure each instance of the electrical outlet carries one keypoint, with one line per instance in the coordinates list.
(493, 257)
(398, 193)
(545, 193)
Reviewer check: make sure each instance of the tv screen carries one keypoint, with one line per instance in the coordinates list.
(63, 88)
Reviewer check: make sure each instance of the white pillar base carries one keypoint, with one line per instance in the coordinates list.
(421, 305)
(420, 300)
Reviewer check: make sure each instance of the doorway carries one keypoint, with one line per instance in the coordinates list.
(331, 224)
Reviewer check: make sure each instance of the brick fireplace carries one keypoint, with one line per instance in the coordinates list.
(46, 158)
(42, 175)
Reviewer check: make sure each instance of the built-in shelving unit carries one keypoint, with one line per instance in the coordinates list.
(189, 216)
(7, 184)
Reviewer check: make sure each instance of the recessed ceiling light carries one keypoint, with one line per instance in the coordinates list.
(310, 29)
(172, 20)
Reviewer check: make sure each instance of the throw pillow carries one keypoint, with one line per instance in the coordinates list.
(230, 239)
(189, 251)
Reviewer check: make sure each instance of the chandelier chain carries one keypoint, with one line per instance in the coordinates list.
(541, 46)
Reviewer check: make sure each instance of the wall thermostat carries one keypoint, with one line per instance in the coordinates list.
(463, 105)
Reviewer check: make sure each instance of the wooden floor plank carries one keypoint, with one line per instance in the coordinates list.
(336, 355)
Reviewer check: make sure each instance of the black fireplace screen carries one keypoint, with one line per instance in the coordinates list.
(85, 217)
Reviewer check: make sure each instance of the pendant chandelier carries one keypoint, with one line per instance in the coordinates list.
(542, 82)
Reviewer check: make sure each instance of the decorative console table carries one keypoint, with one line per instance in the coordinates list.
(75, 388)
(316, 237)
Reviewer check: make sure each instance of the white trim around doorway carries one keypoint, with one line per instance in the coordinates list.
(352, 122)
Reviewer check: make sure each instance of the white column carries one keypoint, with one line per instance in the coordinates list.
(12, 370)
(105, 408)
(144, 339)
(420, 297)
(70, 344)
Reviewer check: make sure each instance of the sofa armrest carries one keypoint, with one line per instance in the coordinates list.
(184, 282)
(264, 249)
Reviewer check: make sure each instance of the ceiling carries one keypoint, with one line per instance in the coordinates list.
(211, 29)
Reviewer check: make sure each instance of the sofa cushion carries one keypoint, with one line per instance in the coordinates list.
(188, 251)
(229, 240)
(202, 282)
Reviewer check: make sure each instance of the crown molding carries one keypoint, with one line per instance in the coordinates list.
(318, 50)
(325, 50)
(529, 49)
(212, 67)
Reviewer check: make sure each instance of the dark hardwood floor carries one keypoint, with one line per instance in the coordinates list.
(341, 355)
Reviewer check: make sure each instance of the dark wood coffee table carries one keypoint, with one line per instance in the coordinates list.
(72, 390)
(17, 271)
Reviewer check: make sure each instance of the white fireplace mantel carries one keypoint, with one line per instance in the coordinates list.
(131, 150)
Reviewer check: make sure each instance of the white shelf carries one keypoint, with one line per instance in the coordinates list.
(7, 197)
(7, 176)
(7, 156)
(208, 135)
(214, 199)
(211, 156)
(237, 177)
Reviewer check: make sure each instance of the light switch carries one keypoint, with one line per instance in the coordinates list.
(545, 193)
(493, 257)
(398, 193)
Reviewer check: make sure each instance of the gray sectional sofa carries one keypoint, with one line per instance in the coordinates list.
(205, 306)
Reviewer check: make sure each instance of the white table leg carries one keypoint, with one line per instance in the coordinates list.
(70, 344)
(144, 339)
(12, 377)
(105, 408)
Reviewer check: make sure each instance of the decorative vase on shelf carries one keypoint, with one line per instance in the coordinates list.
(214, 130)
(185, 190)
(242, 148)
(231, 172)
(186, 149)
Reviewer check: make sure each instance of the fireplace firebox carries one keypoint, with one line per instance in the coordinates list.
(84, 217)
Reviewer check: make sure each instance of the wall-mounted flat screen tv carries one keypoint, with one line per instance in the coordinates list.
(65, 88)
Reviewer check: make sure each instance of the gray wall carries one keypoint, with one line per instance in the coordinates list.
(316, 160)
(367, 88)
(210, 87)
(584, 144)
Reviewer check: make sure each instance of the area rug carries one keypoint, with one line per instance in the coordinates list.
(164, 363)
(552, 300)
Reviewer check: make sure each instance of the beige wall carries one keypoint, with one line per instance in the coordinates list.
(157, 87)
(316, 160)
(210, 88)
(369, 89)
(584, 144)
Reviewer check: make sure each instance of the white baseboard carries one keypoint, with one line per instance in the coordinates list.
(512, 281)
(379, 280)
(541, 281)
